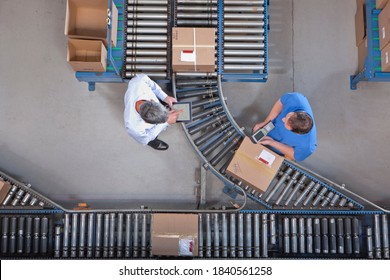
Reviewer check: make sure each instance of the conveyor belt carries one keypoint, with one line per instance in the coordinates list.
(256, 234)
(244, 36)
(147, 38)
(241, 45)
(54, 232)
(23, 198)
(215, 136)
(201, 13)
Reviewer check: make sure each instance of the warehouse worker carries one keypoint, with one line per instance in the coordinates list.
(294, 135)
(145, 117)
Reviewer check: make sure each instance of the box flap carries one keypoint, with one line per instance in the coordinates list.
(114, 24)
(380, 4)
(360, 24)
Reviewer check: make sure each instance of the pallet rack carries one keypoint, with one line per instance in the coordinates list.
(372, 71)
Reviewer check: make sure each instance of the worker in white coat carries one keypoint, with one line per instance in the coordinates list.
(145, 117)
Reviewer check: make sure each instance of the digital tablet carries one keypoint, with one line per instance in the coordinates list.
(186, 115)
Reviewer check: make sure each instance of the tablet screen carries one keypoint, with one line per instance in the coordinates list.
(186, 115)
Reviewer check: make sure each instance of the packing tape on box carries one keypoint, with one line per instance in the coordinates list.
(189, 55)
(194, 48)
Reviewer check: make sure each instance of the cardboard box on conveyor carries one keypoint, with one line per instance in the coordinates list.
(4, 189)
(193, 49)
(255, 165)
(175, 235)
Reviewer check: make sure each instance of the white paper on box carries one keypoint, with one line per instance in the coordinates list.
(387, 57)
(266, 157)
(186, 246)
(187, 56)
(383, 32)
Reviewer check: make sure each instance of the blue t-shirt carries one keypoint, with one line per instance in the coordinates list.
(303, 144)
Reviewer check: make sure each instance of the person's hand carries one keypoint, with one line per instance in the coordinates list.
(267, 141)
(258, 126)
(173, 115)
(170, 100)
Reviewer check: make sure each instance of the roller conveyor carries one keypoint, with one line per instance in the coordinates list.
(278, 233)
(22, 197)
(147, 33)
(240, 28)
(215, 136)
(246, 234)
(145, 27)
(243, 19)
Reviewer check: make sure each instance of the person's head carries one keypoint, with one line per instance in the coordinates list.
(153, 112)
(298, 122)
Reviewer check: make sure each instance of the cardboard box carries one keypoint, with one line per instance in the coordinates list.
(87, 55)
(380, 4)
(255, 165)
(4, 190)
(175, 235)
(362, 54)
(360, 22)
(384, 26)
(385, 58)
(193, 49)
(87, 19)
(360, 3)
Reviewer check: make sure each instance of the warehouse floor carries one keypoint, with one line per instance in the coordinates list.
(71, 144)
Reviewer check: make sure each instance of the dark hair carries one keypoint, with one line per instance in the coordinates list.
(153, 112)
(300, 122)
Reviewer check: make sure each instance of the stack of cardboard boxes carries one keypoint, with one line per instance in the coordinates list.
(384, 32)
(86, 27)
(360, 28)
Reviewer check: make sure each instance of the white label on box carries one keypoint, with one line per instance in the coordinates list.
(187, 56)
(186, 246)
(266, 157)
(387, 57)
(383, 32)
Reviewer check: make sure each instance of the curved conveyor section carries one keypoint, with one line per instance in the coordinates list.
(215, 136)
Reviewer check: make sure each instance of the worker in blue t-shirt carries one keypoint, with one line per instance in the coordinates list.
(294, 135)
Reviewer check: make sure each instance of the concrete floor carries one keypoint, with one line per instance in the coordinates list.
(71, 144)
